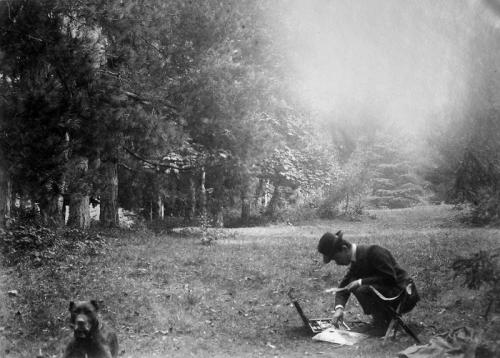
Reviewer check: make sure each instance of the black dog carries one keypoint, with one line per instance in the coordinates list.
(91, 339)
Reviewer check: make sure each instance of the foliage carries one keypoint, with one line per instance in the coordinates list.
(482, 268)
(26, 241)
(472, 173)
(346, 194)
(43, 96)
(303, 167)
(477, 183)
(466, 163)
(56, 99)
(394, 181)
(303, 163)
(166, 90)
(329, 205)
(301, 207)
(37, 245)
(374, 172)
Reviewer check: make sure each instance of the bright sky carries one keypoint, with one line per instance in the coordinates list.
(399, 60)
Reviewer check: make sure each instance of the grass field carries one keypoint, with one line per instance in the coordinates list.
(169, 295)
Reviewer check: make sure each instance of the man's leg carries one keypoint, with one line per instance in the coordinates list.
(374, 306)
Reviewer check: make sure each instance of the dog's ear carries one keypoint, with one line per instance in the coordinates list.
(94, 303)
(339, 234)
(71, 305)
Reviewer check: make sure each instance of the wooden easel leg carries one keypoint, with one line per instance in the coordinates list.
(389, 329)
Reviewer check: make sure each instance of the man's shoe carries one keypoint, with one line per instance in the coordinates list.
(374, 329)
(377, 327)
(371, 329)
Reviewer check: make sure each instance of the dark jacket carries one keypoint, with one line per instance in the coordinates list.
(374, 265)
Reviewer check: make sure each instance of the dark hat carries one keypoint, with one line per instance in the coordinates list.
(329, 244)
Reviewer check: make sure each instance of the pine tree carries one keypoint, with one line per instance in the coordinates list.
(394, 180)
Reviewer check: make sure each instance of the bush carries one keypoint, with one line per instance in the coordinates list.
(486, 208)
(39, 245)
(329, 207)
(482, 268)
(296, 213)
(26, 241)
(391, 202)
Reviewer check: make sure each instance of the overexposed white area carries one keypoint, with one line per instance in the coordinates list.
(406, 63)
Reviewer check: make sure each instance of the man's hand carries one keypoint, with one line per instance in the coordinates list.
(353, 285)
(338, 316)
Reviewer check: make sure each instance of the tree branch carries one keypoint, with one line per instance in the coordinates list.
(156, 164)
(149, 101)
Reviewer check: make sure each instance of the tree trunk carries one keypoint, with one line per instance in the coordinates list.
(219, 203)
(274, 202)
(79, 211)
(203, 195)
(245, 204)
(219, 216)
(79, 198)
(266, 193)
(5, 196)
(8, 203)
(245, 193)
(51, 203)
(161, 209)
(191, 209)
(259, 193)
(25, 203)
(51, 209)
(108, 211)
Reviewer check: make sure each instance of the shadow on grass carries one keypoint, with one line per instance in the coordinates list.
(297, 332)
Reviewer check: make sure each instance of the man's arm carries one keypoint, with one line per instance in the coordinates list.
(342, 296)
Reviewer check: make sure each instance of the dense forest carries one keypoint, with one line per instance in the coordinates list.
(184, 112)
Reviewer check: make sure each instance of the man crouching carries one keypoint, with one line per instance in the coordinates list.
(370, 266)
(91, 338)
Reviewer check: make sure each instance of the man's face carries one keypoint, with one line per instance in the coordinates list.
(342, 257)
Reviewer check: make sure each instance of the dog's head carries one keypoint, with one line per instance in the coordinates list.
(83, 317)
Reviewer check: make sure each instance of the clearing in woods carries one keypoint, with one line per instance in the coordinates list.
(169, 295)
